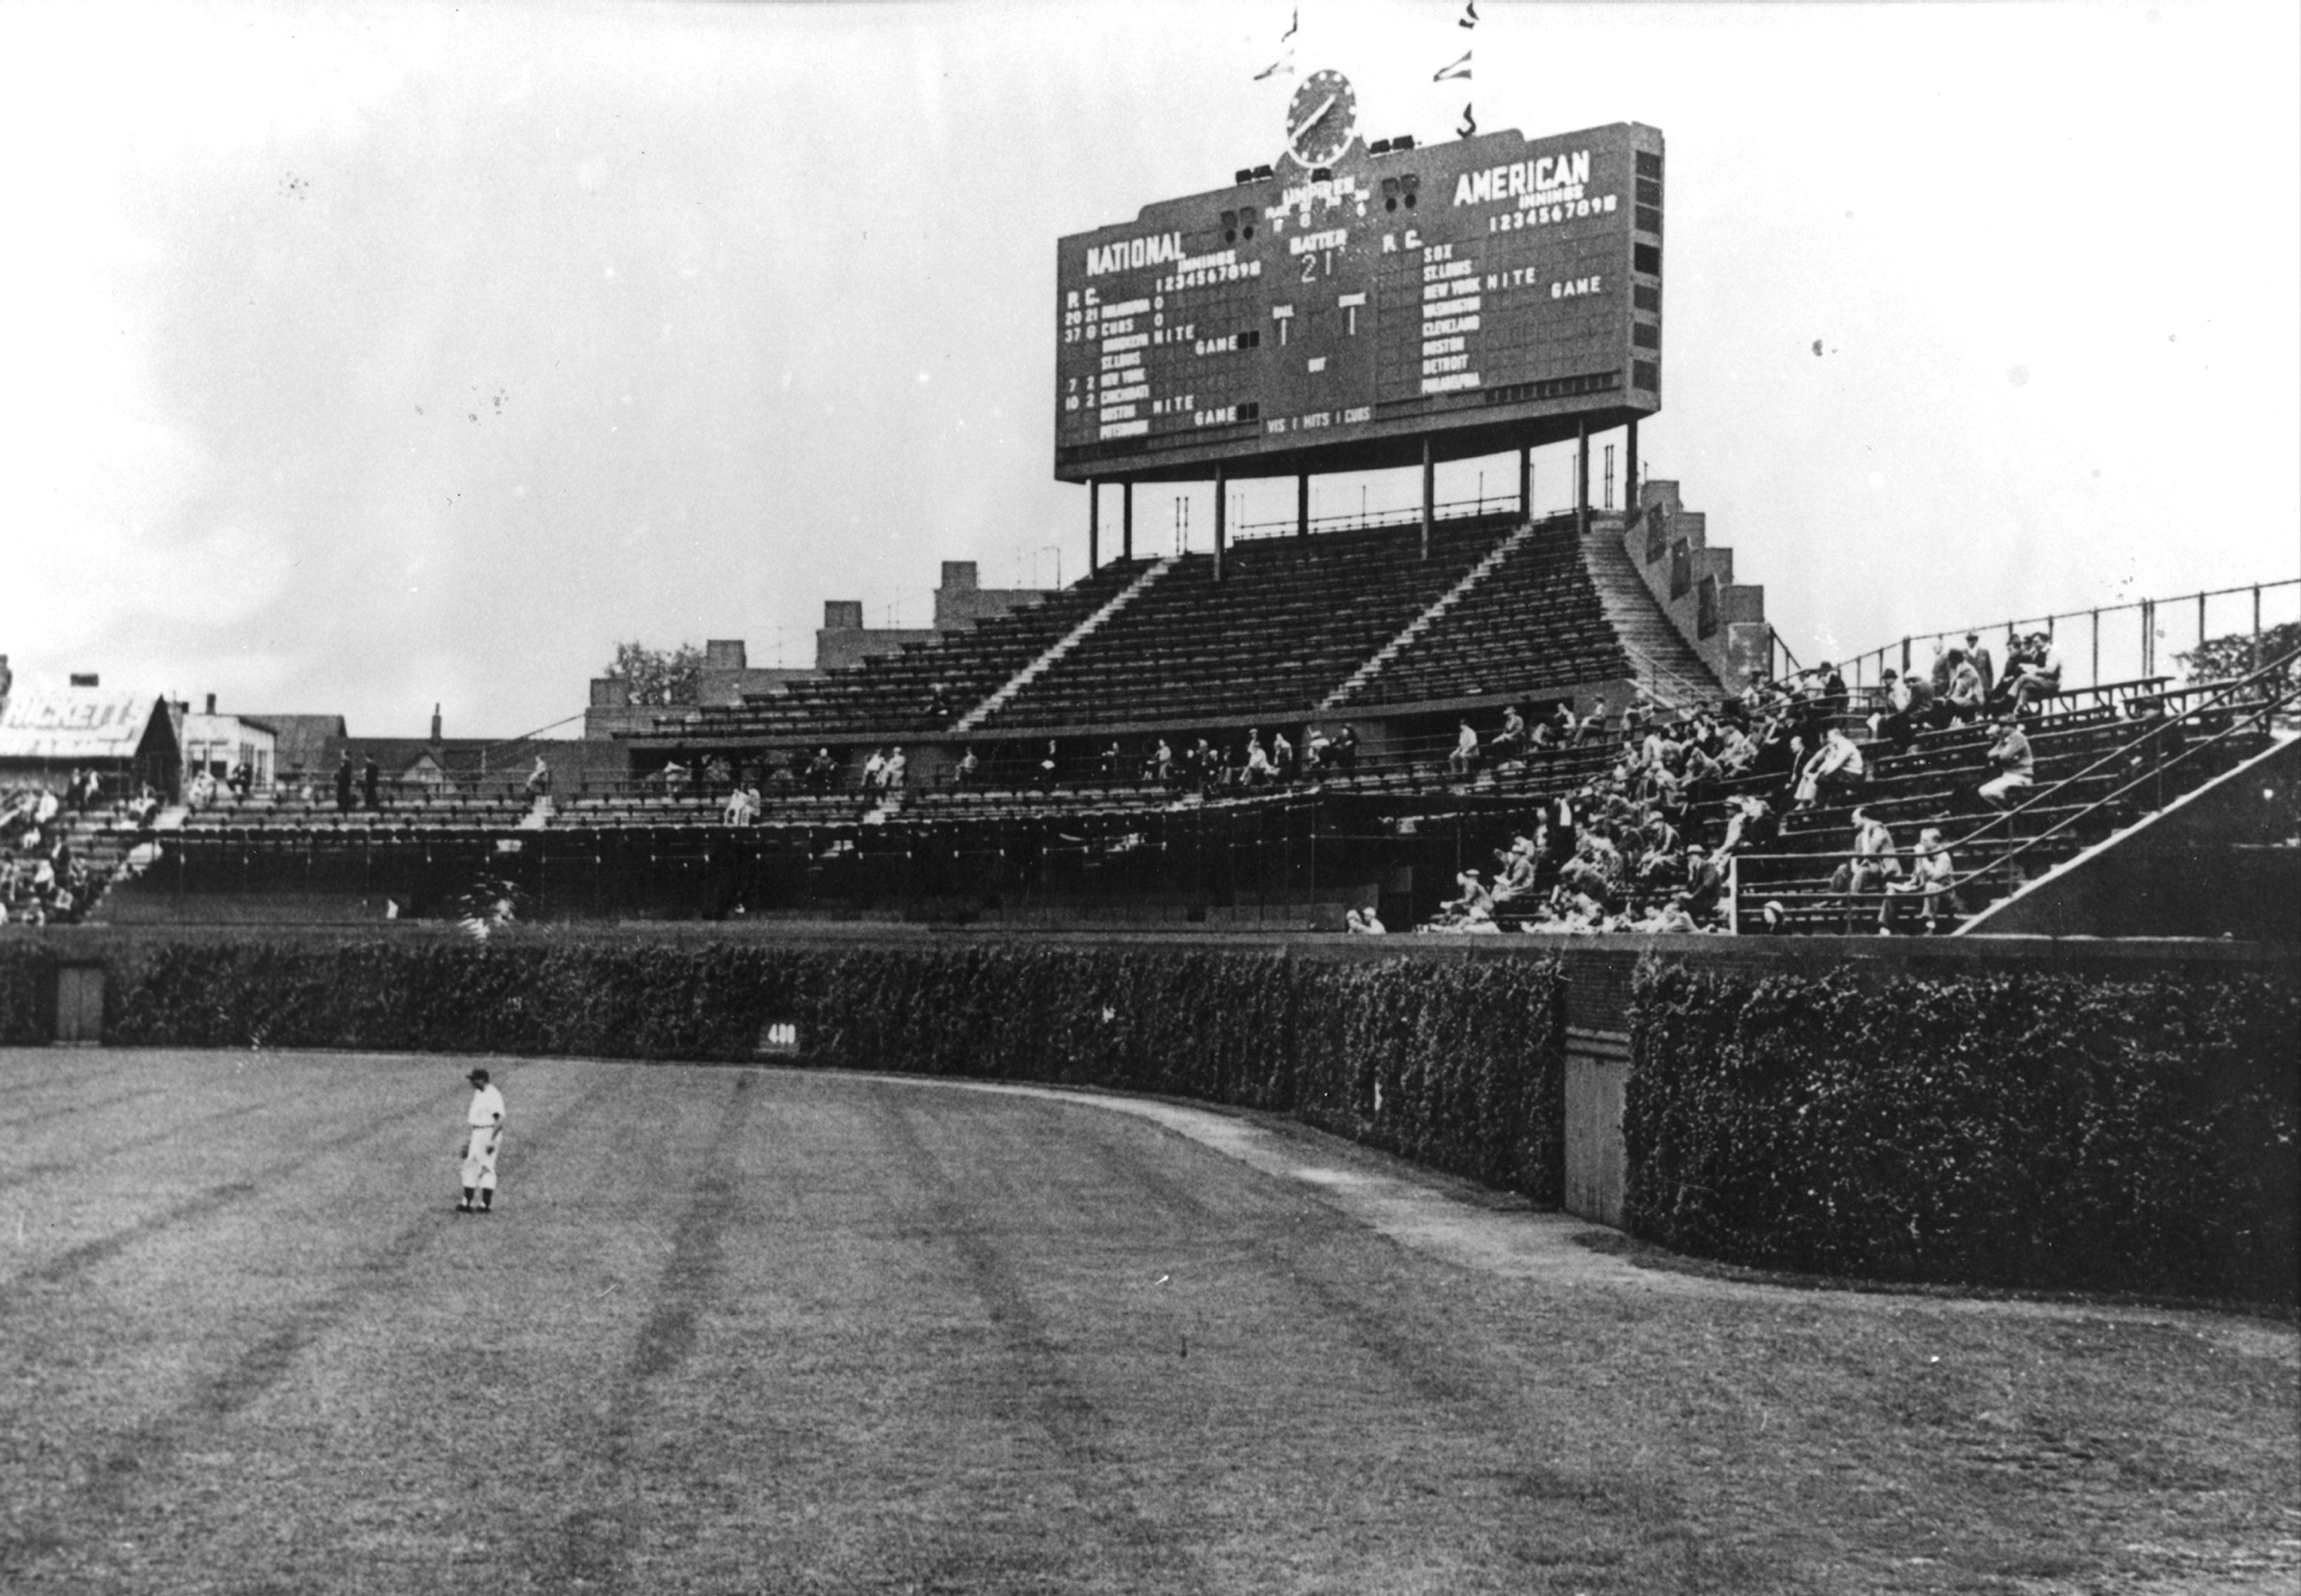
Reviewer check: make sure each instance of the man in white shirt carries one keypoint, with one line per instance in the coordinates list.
(483, 1134)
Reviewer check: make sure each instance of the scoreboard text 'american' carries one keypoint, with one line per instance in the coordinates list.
(1489, 293)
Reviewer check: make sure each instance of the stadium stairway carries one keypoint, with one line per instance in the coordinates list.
(1428, 618)
(1062, 645)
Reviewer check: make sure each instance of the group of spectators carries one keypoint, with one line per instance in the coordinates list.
(1617, 852)
(42, 878)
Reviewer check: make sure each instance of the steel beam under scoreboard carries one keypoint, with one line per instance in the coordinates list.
(1467, 298)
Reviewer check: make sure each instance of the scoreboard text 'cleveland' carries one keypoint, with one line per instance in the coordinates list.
(1487, 294)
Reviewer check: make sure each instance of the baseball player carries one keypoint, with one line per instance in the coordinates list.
(483, 1124)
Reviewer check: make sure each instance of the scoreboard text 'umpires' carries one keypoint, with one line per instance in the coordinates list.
(1486, 294)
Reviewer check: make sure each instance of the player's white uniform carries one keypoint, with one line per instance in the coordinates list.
(486, 1121)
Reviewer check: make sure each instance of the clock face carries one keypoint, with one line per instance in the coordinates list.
(1322, 120)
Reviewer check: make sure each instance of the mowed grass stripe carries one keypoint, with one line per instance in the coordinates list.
(107, 1508)
(1291, 1316)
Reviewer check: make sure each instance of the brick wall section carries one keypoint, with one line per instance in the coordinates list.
(1695, 583)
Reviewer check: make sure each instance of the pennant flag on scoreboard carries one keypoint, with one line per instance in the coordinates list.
(1460, 69)
(1470, 18)
(1470, 128)
(1285, 62)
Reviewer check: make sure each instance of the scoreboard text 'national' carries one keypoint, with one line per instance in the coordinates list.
(1487, 295)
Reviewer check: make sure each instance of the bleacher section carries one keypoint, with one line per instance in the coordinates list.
(1291, 618)
(1535, 622)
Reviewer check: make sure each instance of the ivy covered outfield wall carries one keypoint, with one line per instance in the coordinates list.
(2054, 1115)
(2130, 1128)
(1454, 1062)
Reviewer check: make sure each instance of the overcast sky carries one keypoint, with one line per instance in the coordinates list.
(358, 358)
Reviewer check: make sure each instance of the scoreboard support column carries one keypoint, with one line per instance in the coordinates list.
(1094, 524)
(1525, 481)
(1630, 476)
(1429, 492)
(1581, 476)
(1302, 506)
(1126, 520)
(1222, 517)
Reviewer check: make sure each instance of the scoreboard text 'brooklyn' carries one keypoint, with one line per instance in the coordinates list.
(1486, 294)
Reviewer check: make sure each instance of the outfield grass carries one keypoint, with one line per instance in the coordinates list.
(742, 1330)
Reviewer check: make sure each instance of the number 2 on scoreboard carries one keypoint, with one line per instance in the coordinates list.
(1316, 265)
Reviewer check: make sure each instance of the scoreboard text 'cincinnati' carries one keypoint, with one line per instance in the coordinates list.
(1486, 294)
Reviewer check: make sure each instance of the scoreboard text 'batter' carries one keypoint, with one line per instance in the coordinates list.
(1486, 294)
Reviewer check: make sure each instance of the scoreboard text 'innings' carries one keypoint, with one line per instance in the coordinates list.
(1488, 294)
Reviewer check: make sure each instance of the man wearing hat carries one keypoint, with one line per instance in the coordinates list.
(485, 1131)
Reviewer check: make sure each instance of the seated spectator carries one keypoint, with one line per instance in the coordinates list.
(1830, 698)
(1875, 861)
(1048, 764)
(969, 764)
(742, 807)
(1363, 922)
(1257, 771)
(2016, 769)
(1515, 879)
(875, 772)
(1474, 895)
(2040, 674)
(1836, 769)
(1705, 881)
(1346, 749)
(1282, 757)
(1967, 698)
(781, 781)
(822, 772)
(538, 779)
(1908, 709)
(1672, 918)
(1751, 826)
(202, 795)
(1510, 741)
(1464, 760)
(895, 772)
(1929, 880)
(1315, 749)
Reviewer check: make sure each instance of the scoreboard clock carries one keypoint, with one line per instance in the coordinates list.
(1332, 311)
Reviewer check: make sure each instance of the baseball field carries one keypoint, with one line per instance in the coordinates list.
(779, 1331)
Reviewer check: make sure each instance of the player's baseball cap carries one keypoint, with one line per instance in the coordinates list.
(477, 1077)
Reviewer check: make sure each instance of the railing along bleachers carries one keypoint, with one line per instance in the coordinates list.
(2099, 767)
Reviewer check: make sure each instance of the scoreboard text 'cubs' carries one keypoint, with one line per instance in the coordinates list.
(1484, 294)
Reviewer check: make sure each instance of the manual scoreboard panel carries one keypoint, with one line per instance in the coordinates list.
(1488, 292)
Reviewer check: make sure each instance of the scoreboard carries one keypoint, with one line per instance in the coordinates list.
(1486, 294)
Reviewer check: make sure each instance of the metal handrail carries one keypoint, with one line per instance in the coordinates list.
(2223, 694)
(2146, 609)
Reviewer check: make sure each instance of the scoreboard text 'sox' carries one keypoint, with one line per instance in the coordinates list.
(1485, 294)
